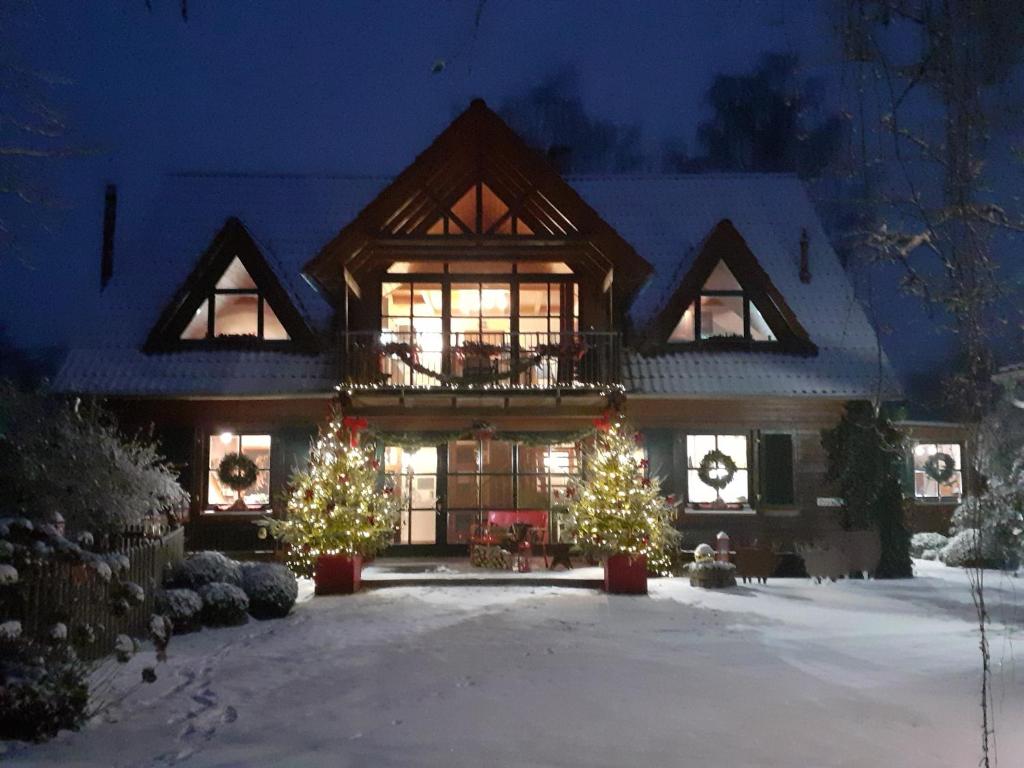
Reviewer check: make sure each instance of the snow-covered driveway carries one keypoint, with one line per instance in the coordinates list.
(788, 674)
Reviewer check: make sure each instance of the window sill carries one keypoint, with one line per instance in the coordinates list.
(936, 501)
(251, 512)
(745, 510)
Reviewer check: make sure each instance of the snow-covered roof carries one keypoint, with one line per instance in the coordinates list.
(291, 217)
(667, 218)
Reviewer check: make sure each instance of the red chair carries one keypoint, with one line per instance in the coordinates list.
(499, 523)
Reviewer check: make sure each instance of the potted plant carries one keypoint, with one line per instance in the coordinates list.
(617, 512)
(340, 508)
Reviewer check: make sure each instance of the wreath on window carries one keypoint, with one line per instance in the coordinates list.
(940, 467)
(237, 471)
(716, 469)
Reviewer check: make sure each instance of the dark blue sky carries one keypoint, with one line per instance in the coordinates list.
(345, 87)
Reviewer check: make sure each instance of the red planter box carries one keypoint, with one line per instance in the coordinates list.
(625, 576)
(338, 574)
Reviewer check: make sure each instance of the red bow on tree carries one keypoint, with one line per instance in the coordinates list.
(355, 425)
(604, 423)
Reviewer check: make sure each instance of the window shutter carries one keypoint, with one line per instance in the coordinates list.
(658, 443)
(777, 469)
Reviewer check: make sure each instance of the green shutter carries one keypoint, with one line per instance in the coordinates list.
(658, 443)
(777, 469)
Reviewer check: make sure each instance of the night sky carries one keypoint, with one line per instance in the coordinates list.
(348, 87)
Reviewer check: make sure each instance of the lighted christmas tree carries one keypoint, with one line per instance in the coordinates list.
(615, 506)
(341, 504)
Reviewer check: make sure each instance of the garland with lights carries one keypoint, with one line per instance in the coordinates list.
(715, 461)
(940, 467)
(341, 504)
(614, 507)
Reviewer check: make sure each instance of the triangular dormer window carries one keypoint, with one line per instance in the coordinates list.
(722, 310)
(727, 301)
(231, 299)
(479, 211)
(239, 309)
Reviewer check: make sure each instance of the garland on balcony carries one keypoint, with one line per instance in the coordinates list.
(415, 440)
(573, 347)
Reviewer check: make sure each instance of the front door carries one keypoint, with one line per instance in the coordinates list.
(415, 476)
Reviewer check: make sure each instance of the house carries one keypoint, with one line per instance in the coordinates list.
(480, 312)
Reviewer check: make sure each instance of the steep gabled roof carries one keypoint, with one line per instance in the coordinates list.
(668, 218)
(478, 145)
(231, 242)
(664, 218)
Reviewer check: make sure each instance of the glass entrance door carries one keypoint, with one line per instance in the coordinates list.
(415, 476)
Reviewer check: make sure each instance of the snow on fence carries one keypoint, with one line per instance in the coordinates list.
(75, 595)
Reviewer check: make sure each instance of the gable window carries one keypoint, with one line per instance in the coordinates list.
(219, 496)
(938, 475)
(722, 310)
(479, 211)
(235, 308)
(714, 483)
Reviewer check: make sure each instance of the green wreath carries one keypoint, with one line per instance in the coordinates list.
(237, 471)
(713, 460)
(940, 467)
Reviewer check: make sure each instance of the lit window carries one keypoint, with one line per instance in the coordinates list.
(479, 210)
(723, 310)
(725, 484)
(220, 496)
(235, 309)
(937, 471)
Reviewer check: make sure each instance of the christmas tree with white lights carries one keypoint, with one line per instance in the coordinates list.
(341, 504)
(615, 507)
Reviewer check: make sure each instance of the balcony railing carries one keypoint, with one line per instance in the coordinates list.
(534, 361)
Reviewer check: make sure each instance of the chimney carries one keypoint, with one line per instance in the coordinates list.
(109, 221)
(805, 265)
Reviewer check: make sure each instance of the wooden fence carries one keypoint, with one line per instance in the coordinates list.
(76, 595)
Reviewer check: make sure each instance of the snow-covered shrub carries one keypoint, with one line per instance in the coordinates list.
(271, 589)
(70, 456)
(920, 543)
(224, 605)
(204, 568)
(8, 575)
(965, 550)
(125, 647)
(43, 689)
(183, 607)
(999, 516)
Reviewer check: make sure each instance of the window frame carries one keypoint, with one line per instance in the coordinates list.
(912, 471)
(727, 508)
(206, 507)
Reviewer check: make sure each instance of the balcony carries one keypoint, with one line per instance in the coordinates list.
(589, 360)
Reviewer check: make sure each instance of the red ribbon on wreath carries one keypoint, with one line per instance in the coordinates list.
(355, 425)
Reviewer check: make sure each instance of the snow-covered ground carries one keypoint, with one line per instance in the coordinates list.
(788, 674)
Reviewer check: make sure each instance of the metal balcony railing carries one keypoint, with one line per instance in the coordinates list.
(533, 361)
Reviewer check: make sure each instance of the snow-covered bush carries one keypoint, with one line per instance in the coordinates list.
(711, 574)
(43, 689)
(71, 457)
(999, 516)
(271, 589)
(965, 550)
(183, 607)
(224, 605)
(923, 543)
(204, 568)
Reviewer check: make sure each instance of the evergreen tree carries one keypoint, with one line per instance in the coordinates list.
(615, 507)
(865, 462)
(341, 504)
